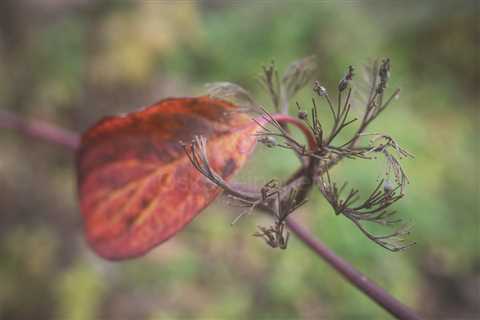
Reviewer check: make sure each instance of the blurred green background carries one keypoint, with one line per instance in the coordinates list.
(70, 62)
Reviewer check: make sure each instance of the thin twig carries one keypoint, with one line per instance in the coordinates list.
(40, 130)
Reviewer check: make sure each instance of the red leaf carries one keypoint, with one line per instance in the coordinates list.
(138, 188)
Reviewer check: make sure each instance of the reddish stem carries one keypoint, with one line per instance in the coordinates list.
(40, 130)
(53, 134)
(285, 118)
(377, 294)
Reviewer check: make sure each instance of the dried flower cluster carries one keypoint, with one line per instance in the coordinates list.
(321, 154)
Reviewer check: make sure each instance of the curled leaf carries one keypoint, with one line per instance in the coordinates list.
(137, 187)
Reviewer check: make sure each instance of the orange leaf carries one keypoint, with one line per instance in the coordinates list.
(138, 188)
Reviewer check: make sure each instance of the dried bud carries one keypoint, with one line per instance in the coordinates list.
(269, 141)
(383, 74)
(342, 85)
(388, 187)
(302, 115)
(384, 71)
(320, 90)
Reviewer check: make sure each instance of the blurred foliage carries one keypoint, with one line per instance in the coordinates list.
(72, 61)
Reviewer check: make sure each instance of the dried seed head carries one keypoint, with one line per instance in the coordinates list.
(320, 90)
(302, 115)
(342, 85)
(297, 75)
(231, 92)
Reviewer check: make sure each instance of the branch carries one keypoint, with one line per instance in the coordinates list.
(70, 140)
(40, 130)
(377, 294)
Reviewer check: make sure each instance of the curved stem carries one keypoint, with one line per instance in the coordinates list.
(53, 134)
(285, 118)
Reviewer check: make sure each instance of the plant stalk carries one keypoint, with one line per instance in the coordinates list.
(374, 292)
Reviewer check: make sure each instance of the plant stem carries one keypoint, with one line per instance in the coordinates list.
(374, 292)
(40, 130)
(283, 119)
(70, 140)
